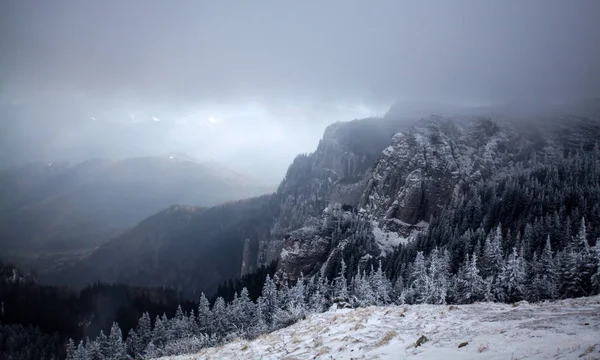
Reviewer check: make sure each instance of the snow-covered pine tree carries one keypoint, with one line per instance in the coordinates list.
(595, 282)
(240, 313)
(340, 290)
(297, 294)
(512, 279)
(420, 281)
(220, 318)
(247, 307)
(179, 325)
(492, 263)
(260, 325)
(588, 259)
(398, 288)
(70, 349)
(152, 351)
(80, 353)
(317, 299)
(103, 345)
(269, 296)
(547, 273)
(438, 274)
(470, 286)
(204, 318)
(365, 296)
(117, 350)
(381, 286)
(131, 344)
(159, 334)
(92, 349)
(167, 323)
(571, 283)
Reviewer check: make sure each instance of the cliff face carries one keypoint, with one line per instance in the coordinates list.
(337, 172)
(410, 181)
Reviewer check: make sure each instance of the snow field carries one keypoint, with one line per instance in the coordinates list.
(566, 329)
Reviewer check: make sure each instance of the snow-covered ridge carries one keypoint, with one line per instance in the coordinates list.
(566, 329)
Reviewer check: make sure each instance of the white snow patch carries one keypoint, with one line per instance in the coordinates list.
(555, 330)
(386, 240)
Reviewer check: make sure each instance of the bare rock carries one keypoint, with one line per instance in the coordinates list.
(422, 340)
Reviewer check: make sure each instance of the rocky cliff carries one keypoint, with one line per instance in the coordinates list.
(416, 174)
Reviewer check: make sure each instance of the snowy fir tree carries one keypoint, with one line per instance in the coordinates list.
(340, 291)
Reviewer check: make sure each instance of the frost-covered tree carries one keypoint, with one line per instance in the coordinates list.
(469, 285)
(381, 286)
(260, 325)
(571, 283)
(204, 318)
(159, 333)
(340, 290)
(103, 345)
(179, 325)
(318, 296)
(93, 350)
(492, 263)
(545, 276)
(80, 353)
(70, 349)
(241, 312)
(363, 292)
(420, 281)
(513, 278)
(269, 296)
(595, 282)
(297, 294)
(116, 346)
(220, 318)
(438, 275)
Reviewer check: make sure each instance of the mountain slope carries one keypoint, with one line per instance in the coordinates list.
(566, 329)
(386, 188)
(429, 167)
(185, 248)
(58, 207)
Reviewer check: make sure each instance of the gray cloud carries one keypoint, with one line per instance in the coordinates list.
(304, 62)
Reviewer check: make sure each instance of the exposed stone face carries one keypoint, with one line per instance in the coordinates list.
(412, 179)
(247, 263)
(304, 250)
(337, 172)
(416, 175)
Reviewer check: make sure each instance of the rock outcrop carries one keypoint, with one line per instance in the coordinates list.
(412, 180)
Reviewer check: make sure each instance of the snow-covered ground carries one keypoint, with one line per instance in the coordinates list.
(567, 329)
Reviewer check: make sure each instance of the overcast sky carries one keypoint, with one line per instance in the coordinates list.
(257, 81)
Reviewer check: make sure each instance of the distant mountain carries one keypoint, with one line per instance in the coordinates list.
(55, 207)
(187, 248)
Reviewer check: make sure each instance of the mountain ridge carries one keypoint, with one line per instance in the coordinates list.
(375, 184)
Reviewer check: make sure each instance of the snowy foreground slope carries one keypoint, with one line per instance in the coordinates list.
(567, 329)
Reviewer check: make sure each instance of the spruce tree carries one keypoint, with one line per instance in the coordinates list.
(204, 318)
(341, 284)
(492, 254)
(513, 278)
(470, 286)
(421, 283)
(381, 286)
(116, 345)
(269, 296)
